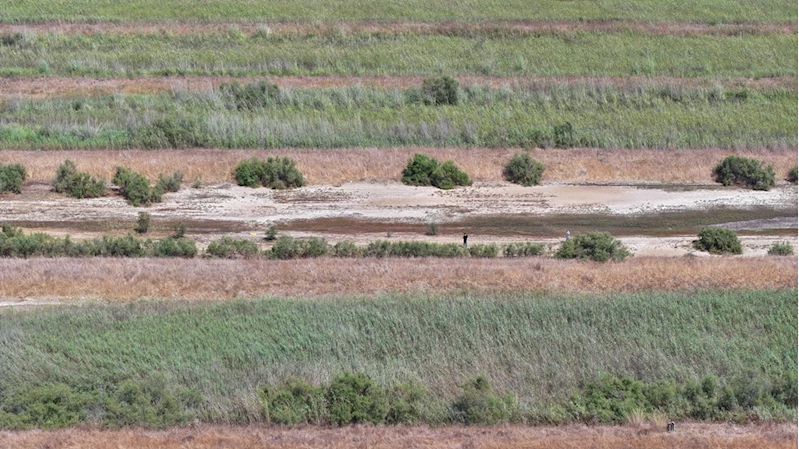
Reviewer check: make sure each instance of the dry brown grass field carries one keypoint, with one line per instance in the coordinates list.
(686, 436)
(23, 280)
(50, 87)
(337, 166)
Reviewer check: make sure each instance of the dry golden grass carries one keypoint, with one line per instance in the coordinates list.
(337, 166)
(129, 279)
(686, 436)
(49, 87)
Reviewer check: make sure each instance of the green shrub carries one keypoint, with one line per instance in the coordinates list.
(148, 403)
(447, 175)
(596, 246)
(271, 233)
(423, 170)
(432, 228)
(169, 183)
(484, 250)
(781, 249)
(479, 404)
(171, 132)
(354, 398)
(564, 135)
(384, 248)
(287, 247)
(294, 402)
(11, 177)
(180, 230)
(174, 247)
(792, 175)
(523, 169)
(77, 184)
(142, 223)
(45, 406)
(135, 188)
(718, 241)
(609, 400)
(249, 96)
(347, 248)
(526, 249)
(275, 173)
(744, 171)
(440, 91)
(230, 248)
(405, 403)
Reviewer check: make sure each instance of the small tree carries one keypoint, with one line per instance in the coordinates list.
(744, 171)
(718, 241)
(792, 175)
(440, 91)
(596, 246)
(11, 177)
(143, 223)
(76, 184)
(523, 169)
(275, 173)
(423, 170)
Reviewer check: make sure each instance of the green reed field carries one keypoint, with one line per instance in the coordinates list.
(539, 348)
(238, 54)
(655, 116)
(20, 11)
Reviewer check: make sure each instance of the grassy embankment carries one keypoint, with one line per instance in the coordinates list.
(711, 11)
(540, 349)
(592, 115)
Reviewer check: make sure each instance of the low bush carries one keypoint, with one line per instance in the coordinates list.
(781, 249)
(718, 241)
(385, 248)
(173, 132)
(526, 249)
(423, 170)
(169, 183)
(479, 404)
(230, 248)
(77, 184)
(792, 175)
(250, 96)
(354, 398)
(142, 223)
(43, 406)
(11, 178)
(744, 171)
(405, 403)
(523, 169)
(274, 173)
(294, 402)
(440, 91)
(174, 247)
(148, 403)
(287, 247)
(347, 248)
(480, 250)
(596, 246)
(135, 188)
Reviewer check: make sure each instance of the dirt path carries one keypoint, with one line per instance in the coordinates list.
(48, 87)
(490, 28)
(686, 435)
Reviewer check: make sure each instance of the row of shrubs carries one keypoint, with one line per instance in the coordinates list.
(14, 243)
(352, 398)
(282, 173)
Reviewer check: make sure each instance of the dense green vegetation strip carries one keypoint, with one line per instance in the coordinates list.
(257, 116)
(540, 349)
(239, 54)
(380, 10)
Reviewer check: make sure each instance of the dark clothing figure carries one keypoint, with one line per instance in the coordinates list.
(464, 240)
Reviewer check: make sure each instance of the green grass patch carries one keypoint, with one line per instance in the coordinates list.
(579, 53)
(539, 348)
(594, 115)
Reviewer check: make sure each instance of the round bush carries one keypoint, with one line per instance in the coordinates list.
(596, 246)
(718, 241)
(523, 169)
(744, 171)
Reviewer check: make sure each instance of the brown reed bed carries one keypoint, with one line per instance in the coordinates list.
(686, 436)
(40, 279)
